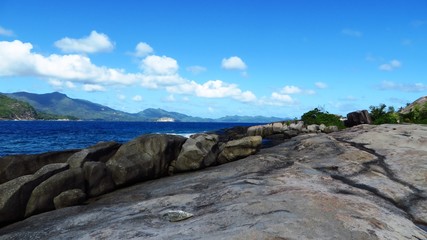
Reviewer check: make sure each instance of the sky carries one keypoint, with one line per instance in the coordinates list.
(214, 58)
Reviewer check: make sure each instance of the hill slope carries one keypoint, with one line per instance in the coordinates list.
(12, 109)
(60, 104)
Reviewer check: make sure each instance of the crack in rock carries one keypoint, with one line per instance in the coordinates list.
(404, 205)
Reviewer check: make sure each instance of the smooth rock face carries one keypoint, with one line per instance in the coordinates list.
(314, 186)
(14, 194)
(100, 152)
(146, 157)
(98, 178)
(69, 198)
(41, 199)
(197, 152)
(15, 166)
(237, 149)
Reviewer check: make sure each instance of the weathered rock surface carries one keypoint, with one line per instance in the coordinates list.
(100, 152)
(69, 198)
(367, 182)
(98, 178)
(14, 194)
(198, 151)
(41, 199)
(15, 166)
(357, 118)
(237, 149)
(144, 158)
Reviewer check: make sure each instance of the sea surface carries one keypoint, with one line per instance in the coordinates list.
(30, 137)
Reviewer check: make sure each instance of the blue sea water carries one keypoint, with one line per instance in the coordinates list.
(30, 137)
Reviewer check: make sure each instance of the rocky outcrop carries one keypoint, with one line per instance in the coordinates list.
(15, 193)
(366, 182)
(144, 158)
(15, 166)
(41, 199)
(197, 152)
(101, 168)
(100, 152)
(357, 118)
(98, 178)
(237, 149)
(69, 198)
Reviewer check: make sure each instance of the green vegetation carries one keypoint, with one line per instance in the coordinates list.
(418, 114)
(13, 109)
(380, 116)
(318, 116)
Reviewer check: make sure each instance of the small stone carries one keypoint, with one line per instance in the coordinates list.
(176, 215)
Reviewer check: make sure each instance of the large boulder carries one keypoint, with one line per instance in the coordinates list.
(237, 149)
(145, 157)
(41, 199)
(99, 152)
(357, 118)
(197, 152)
(98, 178)
(19, 165)
(69, 198)
(15, 193)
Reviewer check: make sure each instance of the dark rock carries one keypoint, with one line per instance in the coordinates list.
(41, 199)
(357, 118)
(237, 149)
(69, 198)
(99, 152)
(98, 178)
(229, 134)
(15, 193)
(143, 158)
(19, 165)
(288, 134)
(197, 152)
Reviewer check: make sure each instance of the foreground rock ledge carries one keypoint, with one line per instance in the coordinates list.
(361, 183)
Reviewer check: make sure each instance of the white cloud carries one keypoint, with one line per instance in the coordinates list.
(6, 32)
(351, 32)
(58, 84)
(93, 88)
(286, 90)
(137, 98)
(213, 89)
(290, 90)
(283, 98)
(19, 60)
(233, 63)
(403, 87)
(321, 85)
(95, 42)
(159, 65)
(72, 69)
(142, 49)
(392, 65)
(196, 69)
(170, 98)
(121, 97)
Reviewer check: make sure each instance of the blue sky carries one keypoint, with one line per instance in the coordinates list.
(215, 58)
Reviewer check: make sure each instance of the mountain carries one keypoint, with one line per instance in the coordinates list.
(13, 109)
(60, 104)
(249, 119)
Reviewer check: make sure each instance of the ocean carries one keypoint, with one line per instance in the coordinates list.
(31, 137)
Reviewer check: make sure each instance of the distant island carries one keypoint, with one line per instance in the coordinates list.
(58, 106)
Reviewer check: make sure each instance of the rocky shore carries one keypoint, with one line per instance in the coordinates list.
(365, 182)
